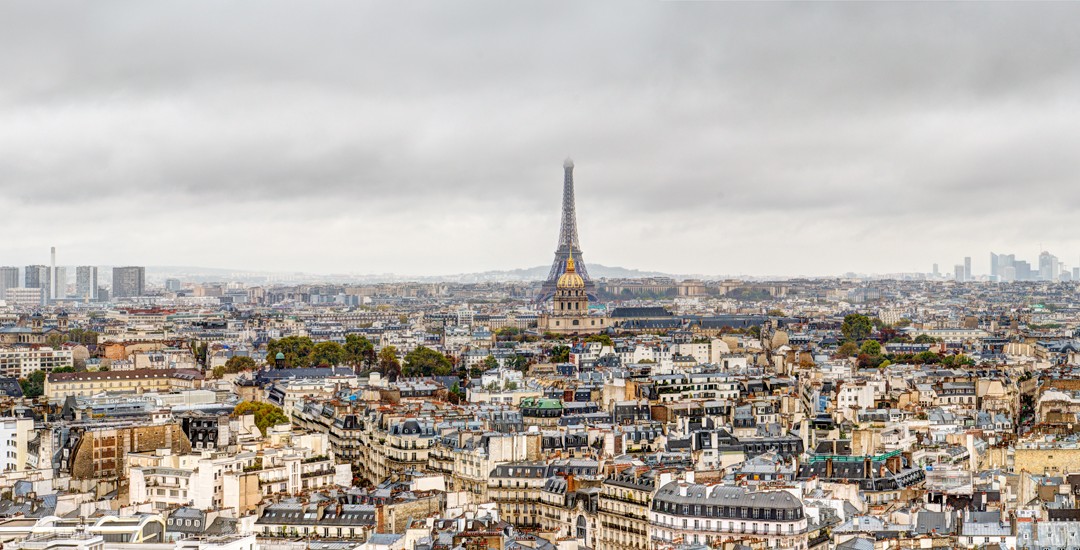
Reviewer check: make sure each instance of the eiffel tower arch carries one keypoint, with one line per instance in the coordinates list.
(568, 246)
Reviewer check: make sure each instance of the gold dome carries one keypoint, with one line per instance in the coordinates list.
(570, 279)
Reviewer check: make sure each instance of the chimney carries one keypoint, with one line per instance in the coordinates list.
(828, 467)
(867, 469)
(380, 518)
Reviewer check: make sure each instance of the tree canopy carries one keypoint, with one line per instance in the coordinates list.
(560, 354)
(389, 364)
(327, 354)
(359, 350)
(297, 350)
(426, 362)
(604, 339)
(848, 349)
(33, 385)
(266, 414)
(856, 327)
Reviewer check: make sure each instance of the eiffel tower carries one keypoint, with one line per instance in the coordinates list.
(568, 242)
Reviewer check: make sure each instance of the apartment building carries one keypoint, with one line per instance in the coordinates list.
(623, 509)
(58, 386)
(22, 362)
(683, 511)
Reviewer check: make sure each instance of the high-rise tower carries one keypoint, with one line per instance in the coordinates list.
(568, 246)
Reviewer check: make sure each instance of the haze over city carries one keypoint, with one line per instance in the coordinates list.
(427, 139)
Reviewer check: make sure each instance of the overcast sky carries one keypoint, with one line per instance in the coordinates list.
(428, 138)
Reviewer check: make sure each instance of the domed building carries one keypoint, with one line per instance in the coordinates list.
(570, 307)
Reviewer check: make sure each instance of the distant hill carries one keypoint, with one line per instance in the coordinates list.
(538, 273)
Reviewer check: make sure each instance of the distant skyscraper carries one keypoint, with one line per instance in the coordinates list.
(995, 273)
(1008, 273)
(958, 273)
(60, 279)
(86, 283)
(52, 271)
(128, 281)
(37, 276)
(967, 268)
(9, 278)
(1048, 267)
(173, 285)
(937, 273)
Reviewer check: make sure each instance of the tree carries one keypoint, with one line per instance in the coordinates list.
(389, 364)
(926, 357)
(238, 363)
(775, 313)
(490, 362)
(200, 351)
(560, 354)
(359, 350)
(266, 414)
(327, 354)
(849, 349)
(426, 362)
(34, 385)
(82, 336)
(604, 339)
(218, 372)
(55, 340)
(871, 347)
(856, 327)
(297, 350)
(519, 363)
(925, 339)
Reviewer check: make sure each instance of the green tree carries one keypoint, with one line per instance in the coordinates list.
(871, 347)
(519, 363)
(604, 339)
(856, 327)
(507, 333)
(238, 363)
(389, 364)
(925, 339)
(82, 336)
(426, 362)
(490, 362)
(327, 354)
(55, 340)
(34, 385)
(848, 349)
(297, 350)
(926, 358)
(266, 414)
(218, 372)
(200, 350)
(359, 350)
(560, 354)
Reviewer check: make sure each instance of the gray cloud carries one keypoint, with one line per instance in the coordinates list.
(428, 137)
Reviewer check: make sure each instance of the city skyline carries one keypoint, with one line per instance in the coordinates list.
(353, 147)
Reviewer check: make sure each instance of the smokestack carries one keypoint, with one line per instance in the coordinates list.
(52, 274)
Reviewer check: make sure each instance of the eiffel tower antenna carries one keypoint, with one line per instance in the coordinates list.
(568, 246)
